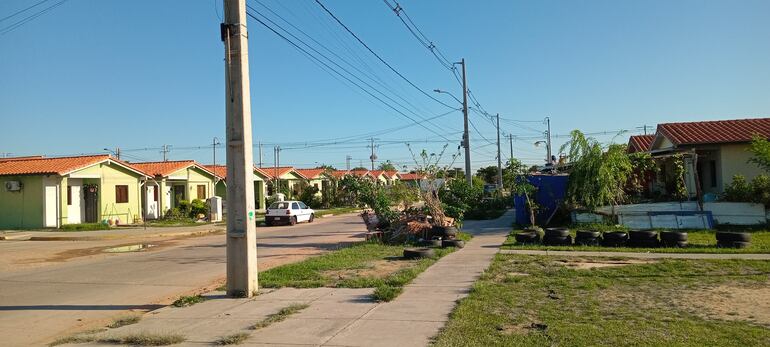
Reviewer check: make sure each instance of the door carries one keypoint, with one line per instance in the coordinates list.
(51, 206)
(91, 202)
(74, 204)
(151, 197)
(304, 211)
(178, 194)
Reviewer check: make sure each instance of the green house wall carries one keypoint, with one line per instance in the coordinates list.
(22, 209)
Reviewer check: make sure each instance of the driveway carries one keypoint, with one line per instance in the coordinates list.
(41, 303)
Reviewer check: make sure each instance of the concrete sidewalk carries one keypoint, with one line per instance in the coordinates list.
(640, 255)
(339, 316)
(115, 233)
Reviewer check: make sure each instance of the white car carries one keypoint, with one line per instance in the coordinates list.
(288, 212)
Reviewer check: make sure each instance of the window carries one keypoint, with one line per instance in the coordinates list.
(713, 173)
(315, 185)
(121, 194)
(279, 206)
(294, 206)
(69, 195)
(302, 205)
(202, 191)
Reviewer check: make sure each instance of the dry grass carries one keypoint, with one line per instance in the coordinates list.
(234, 339)
(125, 320)
(279, 316)
(145, 339)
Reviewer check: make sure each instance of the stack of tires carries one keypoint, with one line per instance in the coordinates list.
(727, 239)
(527, 237)
(673, 239)
(643, 238)
(614, 239)
(557, 237)
(588, 238)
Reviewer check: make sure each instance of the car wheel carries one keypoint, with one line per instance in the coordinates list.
(293, 220)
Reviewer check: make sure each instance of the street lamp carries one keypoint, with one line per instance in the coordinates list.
(447, 93)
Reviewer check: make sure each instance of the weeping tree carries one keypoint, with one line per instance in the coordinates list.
(599, 173)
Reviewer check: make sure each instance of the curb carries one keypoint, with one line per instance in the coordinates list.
(119, 237)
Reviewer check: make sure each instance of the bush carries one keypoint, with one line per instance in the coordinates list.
(758, 191)
(197, 207)
(184, 207)
(309, 197)
(460, 197)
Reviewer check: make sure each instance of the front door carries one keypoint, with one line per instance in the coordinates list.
(151, 197)
(51, 206)
(91, 199)
(178, 194)
(74, 205)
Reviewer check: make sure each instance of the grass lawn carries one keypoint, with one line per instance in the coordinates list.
(526, 300)
(82, 227)
(363, 265)
(336, 211)
(173, 222)
(700, 241)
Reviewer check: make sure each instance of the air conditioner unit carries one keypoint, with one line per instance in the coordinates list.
(13, 186)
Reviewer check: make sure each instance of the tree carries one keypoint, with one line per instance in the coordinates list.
(760, 148)
(387, 166)
(488, 174)
(359, 168)
(599, 174)
(326, 167)
(515, 179)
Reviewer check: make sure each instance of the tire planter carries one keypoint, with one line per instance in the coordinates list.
(672, 236)
(527, 237)
(437, 231)
(616, 236)
(431, 243)
(642, 235)
(416, 253)
(587, 241)
(452, 243)
(450, 231)
(674, 244)
(726, 236)
(557, 240)
(587, 234)
(556, 232)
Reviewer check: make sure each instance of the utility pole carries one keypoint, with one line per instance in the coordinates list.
(117, 153)
(510, 140)
(548, 143)
(499, 159)
(347, 162)
(372, 157)
(241, 226)
(466, 139)
(214, 144)
(165, 152)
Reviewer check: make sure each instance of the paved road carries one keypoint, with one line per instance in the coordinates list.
(40, 304)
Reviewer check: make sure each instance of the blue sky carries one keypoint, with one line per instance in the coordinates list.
(92, 74)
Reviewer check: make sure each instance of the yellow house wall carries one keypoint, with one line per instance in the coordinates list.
(111, 176)
(735, 160)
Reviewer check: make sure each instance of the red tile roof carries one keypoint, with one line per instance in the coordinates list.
(219, 170)
(21, 158)
(165, 168)
(339, 173)
(720, 131)
(310, 173)
(270, 172)
(361, 173)
(640, 143)
(411, 176)
(377, 173)
(55, 166)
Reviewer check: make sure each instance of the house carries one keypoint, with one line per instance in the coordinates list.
(259, 180)
(362, 173)
(412, 179)
(319, 178)
(172, 182)
(286, 177)
(713, 151)
(40, 192)
(640, 143)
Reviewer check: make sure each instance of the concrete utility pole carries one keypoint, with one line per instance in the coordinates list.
(499, 157)
(466, 139)
(372, 157)
(510, 141)
(347, 162)
(165, 152)
(214, 144)
(548, 143)
(241, 226)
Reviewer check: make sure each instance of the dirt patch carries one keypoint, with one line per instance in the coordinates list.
(584, 264)
(376, 269)
(731, 302)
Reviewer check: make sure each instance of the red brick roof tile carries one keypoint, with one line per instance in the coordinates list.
(310, 173)
(720, 131)
(165, 168)
(411, 176)
(55, 166)
(640, 143)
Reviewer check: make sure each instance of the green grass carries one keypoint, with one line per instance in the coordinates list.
(145, 339)
(526, 300)
(700, 241)
(281, 315)
(125, 320)
(83, 227)
(190, 300)
(234, 339)
(173, 222)
(386, 292)
(335, 211)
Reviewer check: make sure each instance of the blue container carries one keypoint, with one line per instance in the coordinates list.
(551, 191)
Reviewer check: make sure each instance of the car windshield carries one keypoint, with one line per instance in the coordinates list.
(279, 206)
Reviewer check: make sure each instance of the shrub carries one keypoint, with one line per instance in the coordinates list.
(197, 207)
(740, 190)
(184, 207)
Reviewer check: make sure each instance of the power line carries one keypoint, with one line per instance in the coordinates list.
(378, 56)
(340, 74)
(29, 18)
(23, 10)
